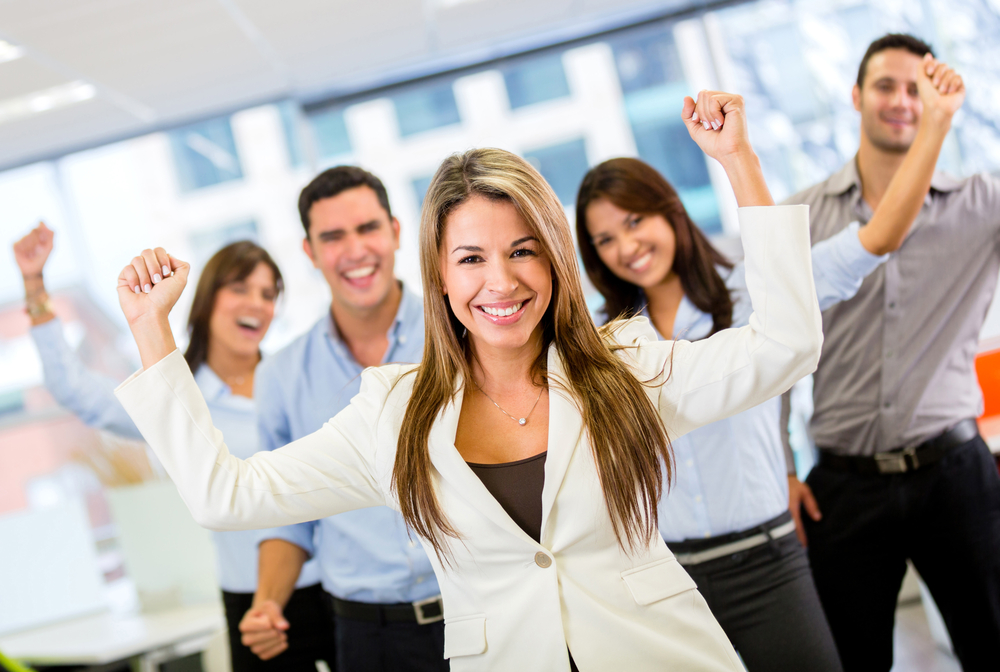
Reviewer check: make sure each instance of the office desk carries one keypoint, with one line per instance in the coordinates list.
(105, 638)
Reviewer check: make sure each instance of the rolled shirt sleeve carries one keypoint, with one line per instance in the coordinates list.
(840, 265)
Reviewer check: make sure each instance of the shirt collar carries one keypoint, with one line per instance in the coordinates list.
(409, 316)
(847, 178)
(212, 387)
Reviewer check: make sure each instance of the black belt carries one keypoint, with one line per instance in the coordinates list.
(422, 612)
(903, 460)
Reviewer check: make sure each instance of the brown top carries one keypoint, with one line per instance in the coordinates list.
(517, 486)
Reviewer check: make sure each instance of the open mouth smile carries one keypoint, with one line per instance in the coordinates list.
(362, 276)
(502, 314)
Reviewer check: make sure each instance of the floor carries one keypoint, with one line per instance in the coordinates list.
(915, 650)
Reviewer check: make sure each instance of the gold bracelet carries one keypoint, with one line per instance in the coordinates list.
(39, 308)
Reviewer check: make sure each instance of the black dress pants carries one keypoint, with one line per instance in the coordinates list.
(310, 636)
(766, 603)
(945, 518)
(364, 646)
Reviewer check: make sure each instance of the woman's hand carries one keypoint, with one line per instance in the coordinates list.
(717, 122)
(32, 251)
(147, 289)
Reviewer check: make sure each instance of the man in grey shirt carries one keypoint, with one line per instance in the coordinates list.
(903, 472)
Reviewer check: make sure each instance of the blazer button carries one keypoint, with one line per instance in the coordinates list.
(542, 560)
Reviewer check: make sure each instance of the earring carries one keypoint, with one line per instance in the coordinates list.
(464, 332)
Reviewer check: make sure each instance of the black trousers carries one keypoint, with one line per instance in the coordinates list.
(364, 646)
(309, 635)
(765, 600)
(945, 518)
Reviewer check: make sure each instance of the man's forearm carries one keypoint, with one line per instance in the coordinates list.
(278, 568)
(904, 197)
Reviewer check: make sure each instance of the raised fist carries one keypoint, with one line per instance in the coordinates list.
(941, 89)
(717, 122)
(151, 284)
(32, 251)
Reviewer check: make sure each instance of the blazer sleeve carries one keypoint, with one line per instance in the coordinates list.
(325, 473)
(697, 383)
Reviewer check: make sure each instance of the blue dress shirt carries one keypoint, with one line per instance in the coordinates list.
(90, 396)
(731, 475)
(365, 555)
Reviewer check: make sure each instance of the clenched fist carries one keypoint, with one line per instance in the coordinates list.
(151, 284)
(941, 90)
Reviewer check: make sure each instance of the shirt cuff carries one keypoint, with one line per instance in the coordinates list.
(301, 535)
(48, 335)
(857, 261)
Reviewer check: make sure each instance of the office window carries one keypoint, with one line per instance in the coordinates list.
(291, 118)
(563, 167)
(535, 80)
(207, 242)
(330, 131)
(652, 80)
(426, 107)
(205, 154)
(646, 58)
(420, 185)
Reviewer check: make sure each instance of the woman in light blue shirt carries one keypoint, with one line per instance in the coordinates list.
(232, 310)
(726, 515)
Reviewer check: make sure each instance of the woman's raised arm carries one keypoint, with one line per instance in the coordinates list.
(735, 369)
(325, 473)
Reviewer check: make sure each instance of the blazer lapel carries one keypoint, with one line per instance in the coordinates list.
(565, 432)
(453, 469)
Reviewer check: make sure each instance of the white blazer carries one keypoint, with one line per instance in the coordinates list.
(512, 603)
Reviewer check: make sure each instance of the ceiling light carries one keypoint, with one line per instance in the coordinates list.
(30, 104)
(8, 52)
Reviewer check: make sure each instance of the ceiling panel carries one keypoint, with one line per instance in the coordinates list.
(156, 63)
(26, 76)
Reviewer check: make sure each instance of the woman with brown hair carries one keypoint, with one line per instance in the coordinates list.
(726, 517)
(232, 310)
(526, 448)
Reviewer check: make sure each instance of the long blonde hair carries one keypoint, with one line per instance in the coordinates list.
(625, 430)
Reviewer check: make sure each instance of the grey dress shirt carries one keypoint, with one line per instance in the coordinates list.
(898, 362)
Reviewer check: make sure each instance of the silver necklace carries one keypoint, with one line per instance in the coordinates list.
(521, 421)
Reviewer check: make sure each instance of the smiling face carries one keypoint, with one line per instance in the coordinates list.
(352, 241)
(638, 248)
(495, 275)
(243, 312)
(889, 104)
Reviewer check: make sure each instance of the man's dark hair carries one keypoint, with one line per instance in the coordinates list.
(914, 45)
(333, 181)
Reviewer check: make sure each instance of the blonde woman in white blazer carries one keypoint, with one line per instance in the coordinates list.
(515, 377)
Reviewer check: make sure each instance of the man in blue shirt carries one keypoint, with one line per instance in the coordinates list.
(384, 597)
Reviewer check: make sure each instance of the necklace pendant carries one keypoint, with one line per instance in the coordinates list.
(522, 421)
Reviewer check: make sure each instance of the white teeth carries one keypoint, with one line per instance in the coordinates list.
(362, 272)
(250, 322)
(641, 261)
(502, 312)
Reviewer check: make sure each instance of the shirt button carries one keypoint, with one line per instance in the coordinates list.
(542, 560)
(892, 304)
(420, 579)
(690, 463)
(887, 404)
(402, 338)
(698, 498)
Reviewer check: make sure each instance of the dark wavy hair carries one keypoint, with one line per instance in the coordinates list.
(233, 263)
(635, 186)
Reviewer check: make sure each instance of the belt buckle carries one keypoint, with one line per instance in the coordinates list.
(418, 610)
(891, 463)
